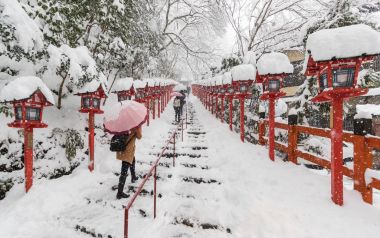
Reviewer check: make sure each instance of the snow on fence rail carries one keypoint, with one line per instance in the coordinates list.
(363, 146)
(152, 171)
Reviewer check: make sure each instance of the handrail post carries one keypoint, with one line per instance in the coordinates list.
(182, 130)
(175, 134)
(155, 190)
(186, 115)
(126, 223)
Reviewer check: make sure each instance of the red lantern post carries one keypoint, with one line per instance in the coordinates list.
(272, 68)
(243, 77)
(28, 107)
(337, 79)
(141, 96)
(91, 96)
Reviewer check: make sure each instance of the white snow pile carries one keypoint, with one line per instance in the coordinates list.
(274, 63)
(281, 108)
(243, 72)
(179, 87)
(250, 58)
(371, 174)
(293, 111)
(78, 58)
(372, 91)
(26, 31)
(343, 42)
(123, 84)
(227, 78)
(92, 87)
(367, 111)
(139, 84)
(23, 88)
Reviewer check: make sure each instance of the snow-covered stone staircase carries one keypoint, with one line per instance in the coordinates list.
(193, 205)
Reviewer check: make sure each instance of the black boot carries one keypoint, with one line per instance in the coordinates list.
(134, 178)
(123, 175)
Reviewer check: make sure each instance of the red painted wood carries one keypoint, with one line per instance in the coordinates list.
(28, 157)
(242, 130)
(337, 153)
(230, 111)
(91, 140)
(271, 127)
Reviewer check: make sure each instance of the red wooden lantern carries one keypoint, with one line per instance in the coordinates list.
(29, 96)
(337, 69)
(142, 94)
(243, 77)
(124, 89)
(272, 68)
(91, 96)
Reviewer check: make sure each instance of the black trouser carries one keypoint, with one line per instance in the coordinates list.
(177, 113)
(124, 173)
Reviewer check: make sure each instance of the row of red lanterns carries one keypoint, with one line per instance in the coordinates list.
(335, 58)
(29, 96)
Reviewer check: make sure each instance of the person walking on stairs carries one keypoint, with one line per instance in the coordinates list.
(177, 108)
(127, 157)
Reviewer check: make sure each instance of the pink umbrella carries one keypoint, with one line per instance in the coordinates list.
(176, 94)
(124, 116)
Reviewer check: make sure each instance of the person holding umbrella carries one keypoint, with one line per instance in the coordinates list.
(177, 108)
(182, 100)
(176, 105)
(124, 120)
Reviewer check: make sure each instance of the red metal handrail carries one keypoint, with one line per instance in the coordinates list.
(153, 170)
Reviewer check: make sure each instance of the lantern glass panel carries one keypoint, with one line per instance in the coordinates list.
(243, 88)
(33, 114)
(323, 81)
(18, 113)
(343, 77)
(274, 85)
(86, 102)
(96, 103)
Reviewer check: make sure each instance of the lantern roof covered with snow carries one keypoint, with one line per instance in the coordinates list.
(93, 87)
(274, 64)
(91, 96)
(124, 89)
(335, 56)
(23, 88)
(343, 42)
(123, 84)
(29, 95)
(243, 72)
(243, 76)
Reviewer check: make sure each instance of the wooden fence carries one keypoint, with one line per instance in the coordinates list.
(362, 156)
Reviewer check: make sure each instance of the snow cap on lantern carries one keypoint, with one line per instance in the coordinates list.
(124, 89)
(29, 95)
(243, 77)
(272, 68)
(91, 95)
(141, 88)
(335, 56)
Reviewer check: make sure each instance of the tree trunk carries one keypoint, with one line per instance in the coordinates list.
(60, 91)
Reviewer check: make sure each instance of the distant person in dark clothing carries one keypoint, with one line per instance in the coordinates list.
(177, 108)
(183, 101)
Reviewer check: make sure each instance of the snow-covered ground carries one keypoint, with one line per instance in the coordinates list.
(219, 188)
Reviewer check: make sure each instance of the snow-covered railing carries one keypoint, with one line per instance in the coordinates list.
(152, 172)
(362, 155)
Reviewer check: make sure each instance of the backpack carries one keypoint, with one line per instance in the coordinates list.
(119, 142)
(177, 103)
